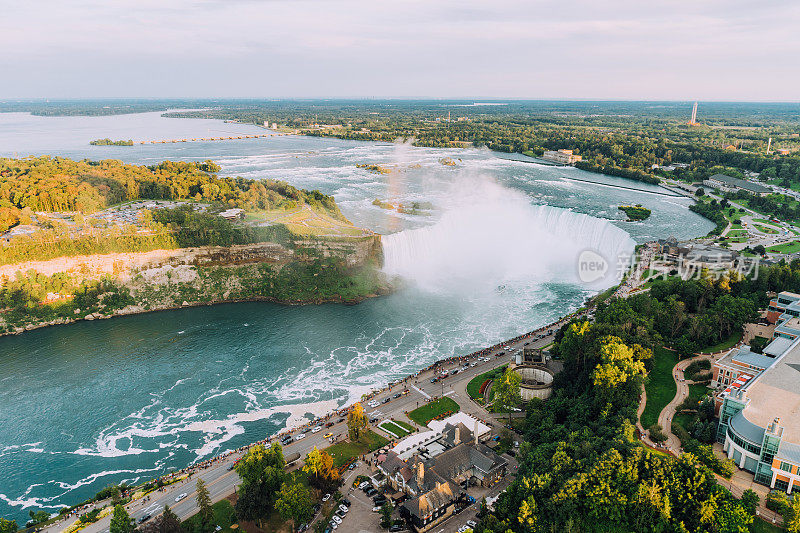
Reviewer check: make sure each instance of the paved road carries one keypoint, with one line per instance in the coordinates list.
(221, 481)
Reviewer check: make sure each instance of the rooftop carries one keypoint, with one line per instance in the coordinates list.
(776, 393)
(740, 183)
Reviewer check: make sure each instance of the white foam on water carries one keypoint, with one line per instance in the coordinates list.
(490, 235)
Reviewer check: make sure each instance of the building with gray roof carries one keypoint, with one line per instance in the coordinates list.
(725, 183)
(760, 416)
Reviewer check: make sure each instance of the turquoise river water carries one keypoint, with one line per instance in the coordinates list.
(91, 404)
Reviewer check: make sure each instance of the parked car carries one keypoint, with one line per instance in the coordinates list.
(326, 497)
(370, 491)
(343, 508)
(363, 485)
(397, 527)
(472, 523)
(376, 509)
(340, 513)
(345, 501)
(336, 519)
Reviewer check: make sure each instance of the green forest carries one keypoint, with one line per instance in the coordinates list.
(582, 467)
(59, 184)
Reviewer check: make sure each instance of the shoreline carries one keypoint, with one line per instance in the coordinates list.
(193, 468)
(127, 311)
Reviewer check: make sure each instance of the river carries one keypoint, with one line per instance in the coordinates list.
(91, 404)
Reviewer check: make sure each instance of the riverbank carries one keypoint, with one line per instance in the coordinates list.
(101, 286)
(421, 391)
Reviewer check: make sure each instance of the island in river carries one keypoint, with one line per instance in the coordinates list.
(87, 240)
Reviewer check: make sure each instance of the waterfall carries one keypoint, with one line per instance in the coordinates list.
(495, 241)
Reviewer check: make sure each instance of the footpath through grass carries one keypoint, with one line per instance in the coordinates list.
(343, 452)
(660, 387)
(437, 408)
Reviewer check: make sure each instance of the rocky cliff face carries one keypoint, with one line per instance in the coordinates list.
(311, 271)
(354, 253)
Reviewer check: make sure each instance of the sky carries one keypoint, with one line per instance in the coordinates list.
(594, 49)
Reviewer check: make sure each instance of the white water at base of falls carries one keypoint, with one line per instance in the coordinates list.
(489, 241)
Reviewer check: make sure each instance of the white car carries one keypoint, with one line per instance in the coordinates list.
(363, 484)
(316, 429)
(180, 496)
(337, 519)
(300, 436)
(343, 508)
(326, 497)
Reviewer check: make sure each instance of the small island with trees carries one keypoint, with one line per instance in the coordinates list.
(374, 168)
(636, 213)
(414, 208)
(109, 142)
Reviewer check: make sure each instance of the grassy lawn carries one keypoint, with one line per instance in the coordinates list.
(728, 343)
(424, 414)
(394, 428)
(660, 387)
(405, 425)
(762, 526)
(697, 391)
(224, 517)
(305, 220)
(343, 452)
(788, 248)
(765, 229)
(475, 383)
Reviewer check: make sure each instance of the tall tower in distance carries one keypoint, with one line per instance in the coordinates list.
(693, 121)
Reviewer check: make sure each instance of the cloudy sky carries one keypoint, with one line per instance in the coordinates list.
(616, 49)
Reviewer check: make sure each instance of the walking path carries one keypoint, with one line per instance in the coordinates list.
(673, 443)
(741, 480)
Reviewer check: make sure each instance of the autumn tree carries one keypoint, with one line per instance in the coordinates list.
(356, 422)
(323, 474)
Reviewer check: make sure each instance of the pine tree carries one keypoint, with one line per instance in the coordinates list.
(121, 521)
(206, 513)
